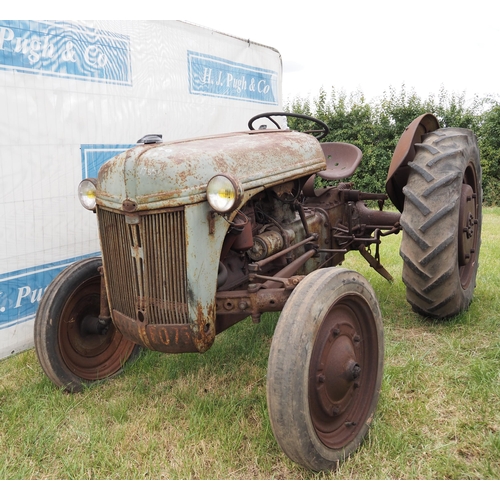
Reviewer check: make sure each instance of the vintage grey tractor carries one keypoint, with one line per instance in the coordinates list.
(197, 235)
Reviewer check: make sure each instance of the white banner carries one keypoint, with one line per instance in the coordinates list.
(73, 95)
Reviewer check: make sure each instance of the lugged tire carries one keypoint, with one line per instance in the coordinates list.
(441, 221)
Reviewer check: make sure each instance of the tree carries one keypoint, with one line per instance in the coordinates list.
(376, 128)
(489, 146)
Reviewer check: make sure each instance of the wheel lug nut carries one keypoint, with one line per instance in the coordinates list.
(335, 410)
(335, 331)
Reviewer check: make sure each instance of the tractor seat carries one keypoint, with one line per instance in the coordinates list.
(342, 159)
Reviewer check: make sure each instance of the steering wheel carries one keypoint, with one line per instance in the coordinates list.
(318, 133)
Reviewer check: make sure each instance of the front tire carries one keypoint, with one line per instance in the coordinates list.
(441, 220)
(325, 368)
(70, 350)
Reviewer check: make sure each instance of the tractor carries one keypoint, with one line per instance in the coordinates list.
(197, 235)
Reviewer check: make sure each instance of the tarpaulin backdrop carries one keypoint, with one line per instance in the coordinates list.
(73, 95)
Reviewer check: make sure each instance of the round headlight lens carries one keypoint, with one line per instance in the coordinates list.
(224, 193)
(87, 192)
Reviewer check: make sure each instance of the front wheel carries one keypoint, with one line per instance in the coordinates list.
(71, 348)
(325, 368)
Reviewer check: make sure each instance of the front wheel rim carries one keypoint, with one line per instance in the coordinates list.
(343, 372)
(90, 356)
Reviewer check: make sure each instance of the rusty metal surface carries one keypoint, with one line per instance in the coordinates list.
(236, 305)
(314, 222)
(343, 371)
(469, 240)
(397, 176)
(377, 218)
(467, 222)
(342, 160)
(175, 174)
(248, 302)
(171, 338)
(156, 275)
(375, 263)
(163, 338)
(265, 245)
(289, 270)
(88, 352)
(177, 273)
(145, 265)
(300, 244)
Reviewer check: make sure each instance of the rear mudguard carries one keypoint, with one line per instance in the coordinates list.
(404, 153)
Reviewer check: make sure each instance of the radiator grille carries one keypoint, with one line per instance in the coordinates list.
(145, 265)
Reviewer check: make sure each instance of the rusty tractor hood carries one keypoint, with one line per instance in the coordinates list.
(161, 175)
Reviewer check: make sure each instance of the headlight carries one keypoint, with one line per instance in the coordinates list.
(224, 193)
(86, 193)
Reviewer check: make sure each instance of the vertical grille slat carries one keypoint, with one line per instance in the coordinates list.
(145, 265)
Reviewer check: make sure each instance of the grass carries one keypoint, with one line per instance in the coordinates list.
(204, 416)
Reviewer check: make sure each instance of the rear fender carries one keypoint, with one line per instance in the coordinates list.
(404, 153)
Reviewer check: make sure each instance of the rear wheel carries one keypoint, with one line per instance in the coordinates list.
(325, 368)
(71, 347)
(441, 220)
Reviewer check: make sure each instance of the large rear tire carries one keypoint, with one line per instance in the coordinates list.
(325, 368)
(441, 220)
(71, 350)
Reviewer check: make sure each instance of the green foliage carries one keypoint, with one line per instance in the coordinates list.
(489, 144)
(376, 128)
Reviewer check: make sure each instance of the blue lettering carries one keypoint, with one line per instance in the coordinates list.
(216, 77)
(66, 51)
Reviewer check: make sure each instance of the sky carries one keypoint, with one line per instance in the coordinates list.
(370, 46)
(352, 45)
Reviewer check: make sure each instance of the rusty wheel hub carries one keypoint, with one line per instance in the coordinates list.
(339, 370)
(91, 353)
(342, 372)
(468, 228)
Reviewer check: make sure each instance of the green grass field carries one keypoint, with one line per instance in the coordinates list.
(204, 416)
